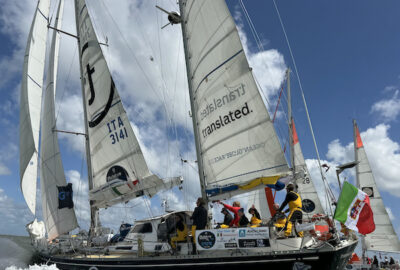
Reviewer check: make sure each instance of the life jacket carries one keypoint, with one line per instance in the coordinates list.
(280, 223)
(296, 204)
(182, 234)
(255, 222)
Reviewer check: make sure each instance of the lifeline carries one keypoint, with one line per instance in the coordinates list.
(226, 119)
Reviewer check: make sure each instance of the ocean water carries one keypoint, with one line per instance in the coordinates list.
(16, 254)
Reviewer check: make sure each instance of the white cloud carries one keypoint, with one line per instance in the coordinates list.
(4, 170)
(268, 66)
(388, 109)
(13, 215)
(383, 155)
(14, 23)
(8, 152)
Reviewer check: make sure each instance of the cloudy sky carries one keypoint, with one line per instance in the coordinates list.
(347, 56)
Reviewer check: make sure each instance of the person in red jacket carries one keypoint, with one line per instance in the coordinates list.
(234, 209)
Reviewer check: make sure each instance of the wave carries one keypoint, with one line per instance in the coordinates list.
(34, 267)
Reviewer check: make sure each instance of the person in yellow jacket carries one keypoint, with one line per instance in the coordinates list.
(295, 213)
(181, 231)
(255, 220)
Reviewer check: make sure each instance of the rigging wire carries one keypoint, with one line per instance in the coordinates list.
(305, 105)
(261, 49)
(67, 79)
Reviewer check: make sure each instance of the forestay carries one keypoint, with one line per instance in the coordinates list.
(58, 219)
(30, 102)
(120, 172)
(384, 238)
(306, 187)
(238, 143)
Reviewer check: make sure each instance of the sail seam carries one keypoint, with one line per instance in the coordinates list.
(41, 13)
(203, 55)
(215, 69)
(34, 81)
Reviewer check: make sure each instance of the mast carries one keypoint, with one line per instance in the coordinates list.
(290, 119)
(193, 110)
(363, 245)
(94, 211)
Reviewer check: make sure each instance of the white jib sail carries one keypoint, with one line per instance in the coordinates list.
(237, 138)
(306, 187)
(120, 172)
(258, 198)
(30, 102)
(57, 220)
(384, 238)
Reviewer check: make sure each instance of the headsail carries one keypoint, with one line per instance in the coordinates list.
(306, 187)
(384, 238)
(263, 201)
(120, 172)
(58, 219)
(238, 143)
(31, 101)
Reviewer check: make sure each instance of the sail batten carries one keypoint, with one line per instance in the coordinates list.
(384, 238)
(237, 139)
(30, 100)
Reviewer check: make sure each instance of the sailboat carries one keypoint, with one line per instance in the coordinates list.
(238, 152)
(384, 238)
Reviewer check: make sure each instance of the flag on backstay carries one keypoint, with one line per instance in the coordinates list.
(354, 210)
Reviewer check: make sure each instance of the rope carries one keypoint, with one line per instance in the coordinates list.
(277, 104)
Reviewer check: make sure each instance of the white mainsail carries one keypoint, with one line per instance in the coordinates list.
(306, 187)
(237, 140)
(57, 220)
(31, 101)
(384, 238)
(119, 170)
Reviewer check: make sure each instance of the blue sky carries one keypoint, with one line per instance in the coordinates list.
(347, 55)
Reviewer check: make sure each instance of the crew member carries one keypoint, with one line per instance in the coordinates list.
(181, 231)
(243, 220)
(295, 212)
(255, 220)
(199, 220)
(227, 219)
(279, 219)
(234, 209)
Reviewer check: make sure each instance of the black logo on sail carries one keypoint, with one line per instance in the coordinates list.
(65, 196)
(308, 205)
(117, 173)
(100, 116)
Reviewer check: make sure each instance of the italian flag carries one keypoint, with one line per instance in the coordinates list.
(354, 210)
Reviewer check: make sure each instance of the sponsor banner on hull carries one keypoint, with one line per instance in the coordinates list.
(232, 238)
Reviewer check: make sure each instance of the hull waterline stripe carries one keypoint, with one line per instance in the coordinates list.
(184, 264)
